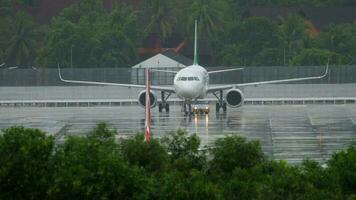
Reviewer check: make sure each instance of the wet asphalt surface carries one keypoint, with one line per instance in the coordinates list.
(289, 132)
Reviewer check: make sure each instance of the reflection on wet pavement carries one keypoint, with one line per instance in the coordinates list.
(290, 132)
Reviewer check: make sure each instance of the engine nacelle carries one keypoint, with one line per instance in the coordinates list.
(234, 98)
(142, 98)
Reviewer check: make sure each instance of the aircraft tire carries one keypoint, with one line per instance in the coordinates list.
(217, 107)
(224, 106)
(167, 107)
(160, 107)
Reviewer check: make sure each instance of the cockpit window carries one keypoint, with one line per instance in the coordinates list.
(190, 78)
(182, 78)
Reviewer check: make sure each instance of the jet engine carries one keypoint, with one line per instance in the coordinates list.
(142, 98)
(234, 98)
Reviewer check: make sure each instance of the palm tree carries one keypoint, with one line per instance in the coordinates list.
(209, 13)
(159, 16)
(294, 35)
(20, 48)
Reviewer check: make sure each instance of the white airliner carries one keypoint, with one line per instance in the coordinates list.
(192, 83)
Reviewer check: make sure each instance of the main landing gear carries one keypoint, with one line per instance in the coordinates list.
(221, 102)
(164, 104)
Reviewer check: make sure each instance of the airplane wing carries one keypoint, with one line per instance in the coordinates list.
(159, 88)
(226, 87)
(224, 70)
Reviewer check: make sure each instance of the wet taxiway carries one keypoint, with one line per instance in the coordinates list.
(290, 132)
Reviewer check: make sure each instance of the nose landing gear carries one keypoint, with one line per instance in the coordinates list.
(187, 108)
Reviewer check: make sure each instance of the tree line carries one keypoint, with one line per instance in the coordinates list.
(98, 166)
(85, 34)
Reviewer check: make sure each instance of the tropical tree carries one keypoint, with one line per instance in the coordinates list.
(319, 183)
(92, 168)
(234, 152)
(184, 151)
(249, 39)
(211, 15)
(269, 57)
(97, 166)
(230, 55)
(30, 2)
(26, 163)
(86, 35)
(340, 39)
(343, 165)
(313, 56)
(293, 32)
(158, 17)
(7, 8)
(20, 35)
(152, 156)
(178, 185)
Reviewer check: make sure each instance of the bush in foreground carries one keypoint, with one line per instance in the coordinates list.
(98, 167)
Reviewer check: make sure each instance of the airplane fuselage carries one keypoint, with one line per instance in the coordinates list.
(191, 82)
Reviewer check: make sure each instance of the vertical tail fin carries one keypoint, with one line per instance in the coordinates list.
(196, 45)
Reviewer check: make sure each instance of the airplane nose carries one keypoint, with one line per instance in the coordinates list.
(190, 91)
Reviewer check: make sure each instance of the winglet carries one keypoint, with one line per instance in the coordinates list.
(59, 73)
(327, 68)
(196, 44)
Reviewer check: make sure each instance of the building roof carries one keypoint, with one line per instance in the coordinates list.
(166, 59)
(178, 57)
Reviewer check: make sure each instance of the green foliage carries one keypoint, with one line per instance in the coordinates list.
(152, 156)
(211, 16)
(316, 57)
(247, 40)
(6, 8)
(242, 184)
(184, 151)
(30, 2)
(319, 182)
(176, 185)
(343, 166)
(18, 39)
(97, 166)
(270, 57)
(158, 17)
(102, 133)
(25, 169)
(294, 36)
(280, 181)
(316, 3)
(235, 152)
(340, 39)
(85, 35)
(92, 168)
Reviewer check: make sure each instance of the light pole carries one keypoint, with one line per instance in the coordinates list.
(71, 56)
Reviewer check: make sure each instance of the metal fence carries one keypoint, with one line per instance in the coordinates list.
(49, 76)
